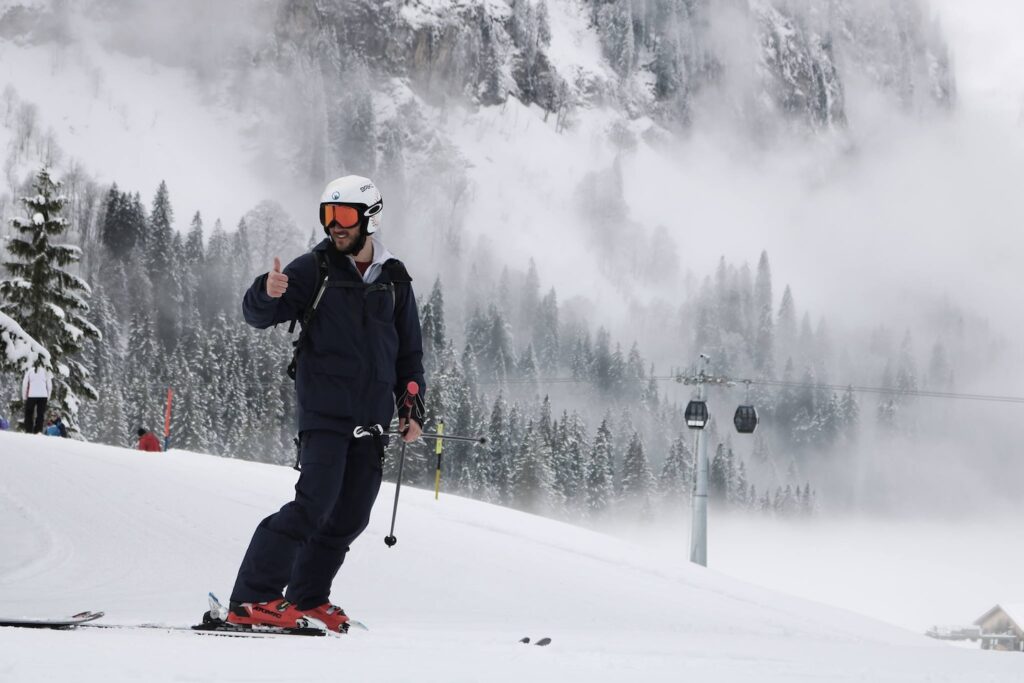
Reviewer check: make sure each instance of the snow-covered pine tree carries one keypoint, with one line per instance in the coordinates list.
(527, 370)
(600, 485)
(46, 300)
(107, 375)
(545, 333)
(634, 373)
(615, 27)
(433, 326)
(637, 480)
(498, 454)
(529, 296)
(849, 412)
(465, 466)
(19, 351)
(576, 449)
(739, 493)
(561, 464)
(162, 264)
(675, 481)
(215, 285)
(532, 484)
(143, 374)
(124, 223)
(581, 359)
(786, 330)
(602, 360)
(719, 476)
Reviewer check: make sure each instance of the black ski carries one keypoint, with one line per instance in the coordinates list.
(229, 630)
(216, 626)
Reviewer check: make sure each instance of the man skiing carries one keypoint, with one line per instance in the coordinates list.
(359, 347)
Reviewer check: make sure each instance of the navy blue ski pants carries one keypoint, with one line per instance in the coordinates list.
(303, 544)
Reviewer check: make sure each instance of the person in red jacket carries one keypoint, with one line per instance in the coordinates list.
(148, 441)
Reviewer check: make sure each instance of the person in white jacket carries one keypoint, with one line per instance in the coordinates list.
(35, 392)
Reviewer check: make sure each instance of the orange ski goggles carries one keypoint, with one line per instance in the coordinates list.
(344, 215)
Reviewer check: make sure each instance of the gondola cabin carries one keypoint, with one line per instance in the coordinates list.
(696, 414)
(746, 419)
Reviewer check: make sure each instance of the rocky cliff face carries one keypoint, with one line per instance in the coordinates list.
(797, 70)
(658, 54)
(647, 58)
(323, 87)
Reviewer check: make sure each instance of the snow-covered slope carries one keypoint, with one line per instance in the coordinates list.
(144, 536)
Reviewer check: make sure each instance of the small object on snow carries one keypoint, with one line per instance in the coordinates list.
(66, 622)
(542, 642)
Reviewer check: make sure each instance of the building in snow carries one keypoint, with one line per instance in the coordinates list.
(1002, 628)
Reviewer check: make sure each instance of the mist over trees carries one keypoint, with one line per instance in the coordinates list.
(579, 425)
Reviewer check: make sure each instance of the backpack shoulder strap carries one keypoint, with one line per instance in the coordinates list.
(307, 316)
(397, 271)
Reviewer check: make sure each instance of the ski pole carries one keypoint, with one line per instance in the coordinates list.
(437, 449)
(451, 437)
(411, 391)
(439, 435)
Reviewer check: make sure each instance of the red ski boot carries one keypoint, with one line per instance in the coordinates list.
(278, 612)
(331, 616)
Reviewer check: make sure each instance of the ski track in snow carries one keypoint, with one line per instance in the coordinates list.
(145, 536)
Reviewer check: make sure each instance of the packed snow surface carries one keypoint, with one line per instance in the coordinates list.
(144, 536)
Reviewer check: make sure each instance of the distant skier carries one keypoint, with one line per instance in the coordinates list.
(148, 441)
(357, 351)
(55, 427)
(35, 392)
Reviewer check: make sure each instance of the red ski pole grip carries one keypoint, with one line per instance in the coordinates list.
(412, 388)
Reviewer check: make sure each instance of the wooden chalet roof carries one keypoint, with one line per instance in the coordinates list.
(1013, 610)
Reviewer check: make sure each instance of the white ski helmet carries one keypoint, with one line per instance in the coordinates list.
(357, 192)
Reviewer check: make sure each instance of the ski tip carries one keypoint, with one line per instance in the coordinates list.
(87, 615)
(358, 624)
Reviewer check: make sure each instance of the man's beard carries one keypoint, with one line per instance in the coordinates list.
(357, 245)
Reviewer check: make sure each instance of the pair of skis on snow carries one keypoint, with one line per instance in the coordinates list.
(214, 623)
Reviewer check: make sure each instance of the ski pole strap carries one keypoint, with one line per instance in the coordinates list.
(410, 405)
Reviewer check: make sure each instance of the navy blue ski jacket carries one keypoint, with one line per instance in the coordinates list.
(363, 345)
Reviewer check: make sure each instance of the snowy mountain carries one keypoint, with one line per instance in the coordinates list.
(144, 536)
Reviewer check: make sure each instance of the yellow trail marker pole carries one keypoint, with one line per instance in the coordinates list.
(437, 449)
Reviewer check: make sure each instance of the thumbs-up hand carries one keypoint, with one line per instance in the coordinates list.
(277, 282)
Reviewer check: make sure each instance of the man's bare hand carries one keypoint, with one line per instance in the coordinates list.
(412, 433)
(277, 282)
